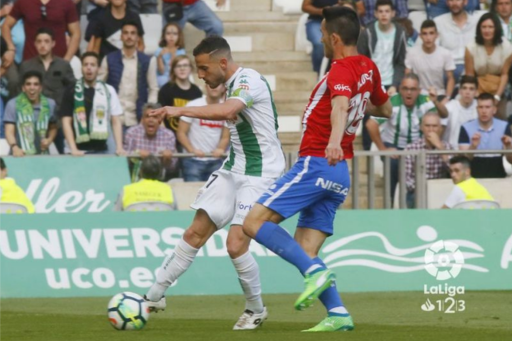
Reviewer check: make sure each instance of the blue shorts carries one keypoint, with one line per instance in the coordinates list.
(314, 189)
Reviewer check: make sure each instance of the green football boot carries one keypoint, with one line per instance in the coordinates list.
(333, 323)
(316, 283)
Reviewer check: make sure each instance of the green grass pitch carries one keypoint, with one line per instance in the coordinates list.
(378, 316)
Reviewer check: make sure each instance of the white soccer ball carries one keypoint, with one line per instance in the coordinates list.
(128, 311)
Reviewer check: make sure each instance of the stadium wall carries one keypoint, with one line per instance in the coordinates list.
(84, 254)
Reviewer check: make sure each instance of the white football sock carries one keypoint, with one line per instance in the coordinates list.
(249, 276)
(339, 310)
(172, 268)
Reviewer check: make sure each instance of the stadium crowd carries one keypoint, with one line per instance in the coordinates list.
(450, 83)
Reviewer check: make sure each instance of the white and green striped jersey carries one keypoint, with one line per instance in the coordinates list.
(255, 147)
(404, 125)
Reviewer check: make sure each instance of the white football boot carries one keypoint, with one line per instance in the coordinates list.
(155, 307)
(250, 320)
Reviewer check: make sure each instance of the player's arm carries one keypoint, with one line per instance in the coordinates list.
(215, 112)
(385, 110)
(339, 116)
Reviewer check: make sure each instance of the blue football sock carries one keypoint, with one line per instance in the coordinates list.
(276, 239)
(330, 298)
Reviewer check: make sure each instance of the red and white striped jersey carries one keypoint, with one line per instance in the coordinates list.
(356, 78)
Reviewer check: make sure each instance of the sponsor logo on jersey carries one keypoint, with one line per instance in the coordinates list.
(331, 186)
(365, 77)
(341, 87)
(241, 206)
(211, 124)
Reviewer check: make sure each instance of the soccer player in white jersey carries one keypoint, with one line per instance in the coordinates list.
(256, 160)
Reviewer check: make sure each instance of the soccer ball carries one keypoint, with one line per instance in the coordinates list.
(128, 311)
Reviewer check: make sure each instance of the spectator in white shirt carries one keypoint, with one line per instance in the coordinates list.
(460, 110)
(201, 137)
(432, 63)
(456, 30)
(503, 8)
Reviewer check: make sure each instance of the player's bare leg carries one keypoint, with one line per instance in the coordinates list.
(249, 276)
(173, 266)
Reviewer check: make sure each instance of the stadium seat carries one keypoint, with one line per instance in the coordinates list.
(10, 208)
(149, 207)
(4, 147)
(289, 6)
(477, 204)
(301, 41)
(417, 18)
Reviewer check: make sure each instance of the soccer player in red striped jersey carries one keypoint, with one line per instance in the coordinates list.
(319, 182)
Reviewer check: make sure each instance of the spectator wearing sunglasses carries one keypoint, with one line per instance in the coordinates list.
(58, 15)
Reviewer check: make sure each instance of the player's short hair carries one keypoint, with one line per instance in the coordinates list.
(32, 73)
(131, 23)
(384, 3)
(45, 30)
(468, 80)
(428, 24)
(212, 45)
(151, 168)
(344, 22)
(485, 96)
(90, 54)
(411, 75)
(463, 160)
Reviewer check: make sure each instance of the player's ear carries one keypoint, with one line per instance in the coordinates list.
(223, 62)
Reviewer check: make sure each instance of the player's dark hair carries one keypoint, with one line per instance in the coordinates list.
(468, 80)
(32, 73)
(498, 31)
(90, 54)
(151, 168)
(384, 3)
(131, 23)
(344, 22)
(2, 164)
(212, 44)
(428, 24)
(46, 30)
(463, 160)
(485, 96)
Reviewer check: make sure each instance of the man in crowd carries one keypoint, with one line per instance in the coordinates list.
(106, 33)
(503, 9)
(200, 136)
(486, 133)
(466, 187)
(151, 138)
(456, 30)
(436, 165)
(195, 12)
(402, 10)
(58, 15)
(403, 128)
(10, 192)
(57, 73)
(29, 118)
(132, 74)
(385, 43)
(149, 189)
(460, 110)
(91, 113)
(433, 64)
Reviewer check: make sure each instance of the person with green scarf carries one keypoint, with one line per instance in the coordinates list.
(30, 121)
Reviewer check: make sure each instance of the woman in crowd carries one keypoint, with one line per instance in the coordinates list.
(172, 44)
(489, 58)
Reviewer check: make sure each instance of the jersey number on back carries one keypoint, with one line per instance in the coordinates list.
(356, 114)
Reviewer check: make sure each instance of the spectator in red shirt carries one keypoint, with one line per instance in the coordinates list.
(58, 15)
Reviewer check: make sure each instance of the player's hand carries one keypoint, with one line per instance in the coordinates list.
(166, 112)
(475, 140)
(198, 153)
(8, 59)
(17, 151)
(218, 153)
(507, 141)
(390, 149)
(432, 94)
(166, 156)
(333, 154)
(120, 151)
(77, 152)
(434, 138)
(144, 154)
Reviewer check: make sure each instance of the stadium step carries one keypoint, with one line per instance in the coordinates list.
(251, 5)
(256, 16)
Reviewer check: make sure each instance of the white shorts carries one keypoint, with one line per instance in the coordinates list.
(228, 197)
